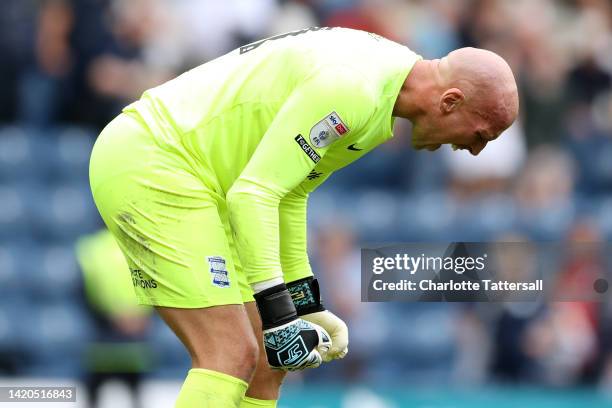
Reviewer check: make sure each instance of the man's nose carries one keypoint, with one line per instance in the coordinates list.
(477, 148)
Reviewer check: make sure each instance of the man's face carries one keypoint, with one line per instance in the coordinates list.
(463, 128)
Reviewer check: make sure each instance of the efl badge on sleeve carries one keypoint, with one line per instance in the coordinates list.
(218, 270)
(324, 132)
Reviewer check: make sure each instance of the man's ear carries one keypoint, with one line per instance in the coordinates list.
(451, 99)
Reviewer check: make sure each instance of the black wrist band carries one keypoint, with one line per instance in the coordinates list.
(306, 295)
(275, 306)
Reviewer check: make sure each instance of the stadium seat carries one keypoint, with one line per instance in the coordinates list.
(54, 335)
(377, 212)
(484, 219)
(11, 312)
(14, 200)
(172, 359)
(324, 207)
(71, 150)
(378, 168)
(64, 212)
(548, 223)
(419, 347)
(595, 168)
(425, 216)
(13, 261)
(16, 154)
(603, 216)
(54, 274)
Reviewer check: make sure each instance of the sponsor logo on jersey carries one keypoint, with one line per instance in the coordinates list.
(322, 134)
(324, 138)
(306, 148)
(333, 119)
(341, 129)
(140, 279)
(327, 130)
(218, 271)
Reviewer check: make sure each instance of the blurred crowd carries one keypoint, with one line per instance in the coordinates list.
(548, 177)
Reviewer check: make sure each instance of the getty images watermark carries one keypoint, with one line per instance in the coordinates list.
(467, 272)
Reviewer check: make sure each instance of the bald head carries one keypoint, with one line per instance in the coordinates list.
(465, 99)
(487, 82)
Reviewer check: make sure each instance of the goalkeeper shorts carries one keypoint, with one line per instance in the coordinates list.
(172, 227)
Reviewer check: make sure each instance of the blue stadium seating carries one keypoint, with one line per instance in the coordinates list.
(46, 204)
(594, 166)
(14, 202)
(11, 315)
(64, 212)
(53, 274)
(172, 359)
(14, 261)
(69, 154)
(55, 334)
(549, 223)
(17, 154)
(603, 216)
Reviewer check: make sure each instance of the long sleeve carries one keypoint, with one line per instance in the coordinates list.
(294, 234)
(283, 159)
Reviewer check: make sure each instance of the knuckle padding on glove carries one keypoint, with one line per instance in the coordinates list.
(275, 306)
(306, 295)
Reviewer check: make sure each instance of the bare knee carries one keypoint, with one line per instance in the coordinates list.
(219, 339)
(236, 356)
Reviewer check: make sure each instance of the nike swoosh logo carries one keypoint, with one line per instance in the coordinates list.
(352, 147)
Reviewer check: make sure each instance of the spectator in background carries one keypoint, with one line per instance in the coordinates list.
(89, 58)
(544, 71)
(590, 130)
(564, 342)
(546, 180)
(17, 22)
(582, 264)
(553, 343)
(128, 65)
(362, 16)
(511, 323)
(42, 84)
(203, 30)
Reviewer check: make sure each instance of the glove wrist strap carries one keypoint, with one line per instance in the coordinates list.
(306, 295)
(275, 306)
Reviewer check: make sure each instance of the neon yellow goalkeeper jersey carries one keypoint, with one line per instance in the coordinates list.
(267, 123)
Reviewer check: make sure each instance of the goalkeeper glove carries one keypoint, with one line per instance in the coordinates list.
(307, 299)
(290, 342)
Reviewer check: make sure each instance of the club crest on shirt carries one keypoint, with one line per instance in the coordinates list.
(218, 271)
(327, 130)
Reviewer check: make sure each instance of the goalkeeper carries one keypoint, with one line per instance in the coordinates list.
(204, 182)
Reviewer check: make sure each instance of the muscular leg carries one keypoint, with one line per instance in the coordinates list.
(223, 351)
(266, 382)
